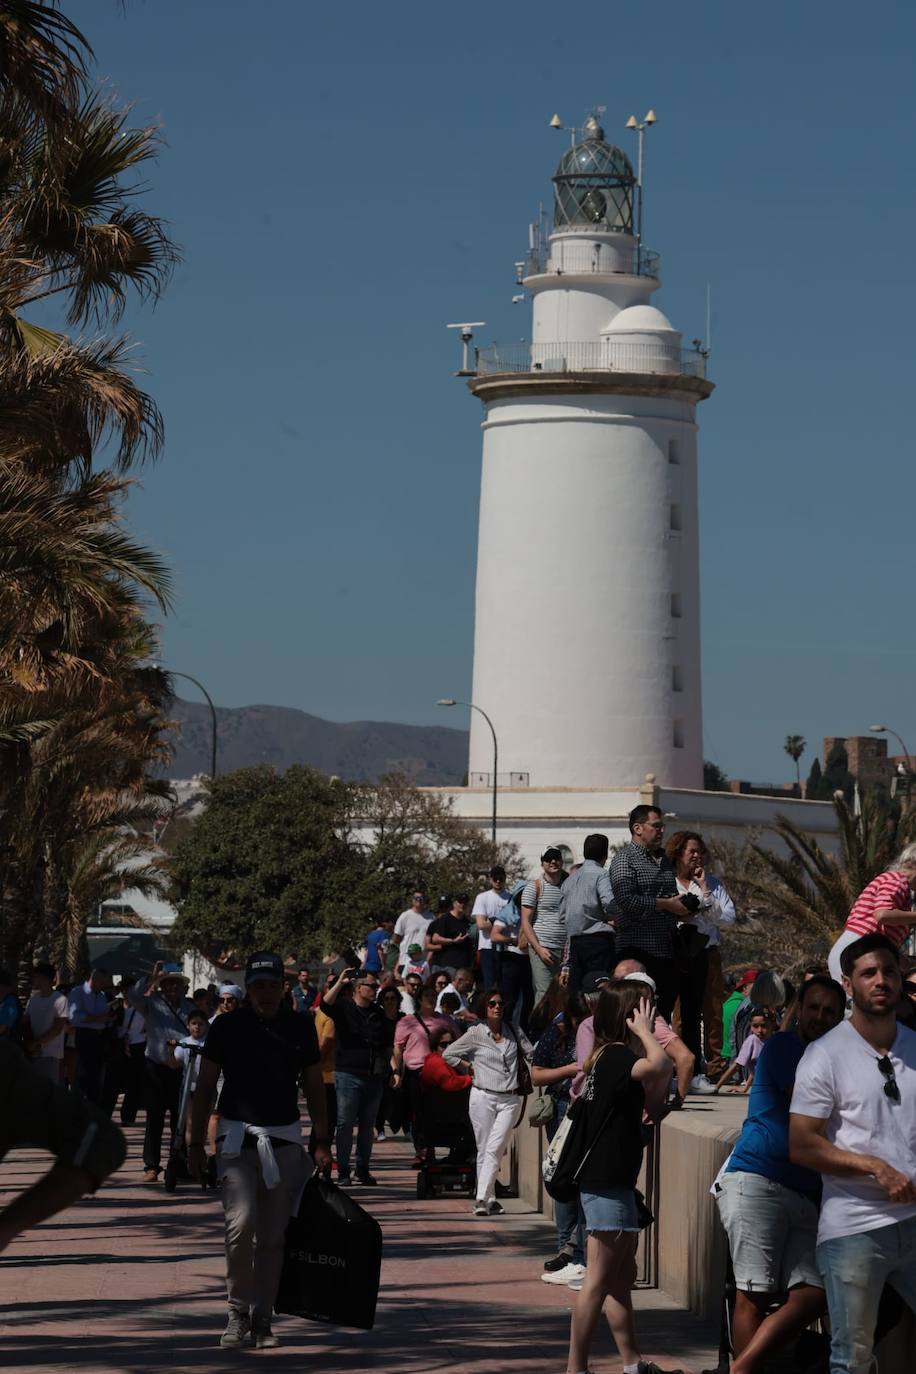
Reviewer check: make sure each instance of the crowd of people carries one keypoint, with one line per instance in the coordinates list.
(602, 990)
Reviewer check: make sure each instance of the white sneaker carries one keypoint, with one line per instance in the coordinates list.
(481, 1209)
(576, 1283)
(564, 1275)
(701, 1084)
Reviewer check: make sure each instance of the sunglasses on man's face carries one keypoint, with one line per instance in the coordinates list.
(891, 1087)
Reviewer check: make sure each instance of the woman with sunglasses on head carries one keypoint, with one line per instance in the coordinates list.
(625, 1057)
(493, 1052)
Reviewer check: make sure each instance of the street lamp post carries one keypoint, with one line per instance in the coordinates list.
(886, 730)
(188, 678)
(450, 701)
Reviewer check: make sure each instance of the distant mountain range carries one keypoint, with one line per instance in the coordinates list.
(429, 755)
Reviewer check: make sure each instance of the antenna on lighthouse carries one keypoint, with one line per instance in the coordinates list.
(467, 334)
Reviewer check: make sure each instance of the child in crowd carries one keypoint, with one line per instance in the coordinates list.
(761, 1030)
(180, 1050)
(416, 963)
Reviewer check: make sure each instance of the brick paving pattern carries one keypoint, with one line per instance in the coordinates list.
(132, 1280)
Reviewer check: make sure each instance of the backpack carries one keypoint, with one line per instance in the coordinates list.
(510, 913)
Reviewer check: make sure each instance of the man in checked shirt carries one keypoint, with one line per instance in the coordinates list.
(648, 907)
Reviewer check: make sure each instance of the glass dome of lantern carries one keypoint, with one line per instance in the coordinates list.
(594, 184)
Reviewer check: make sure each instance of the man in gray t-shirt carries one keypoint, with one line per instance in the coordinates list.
(542, 925)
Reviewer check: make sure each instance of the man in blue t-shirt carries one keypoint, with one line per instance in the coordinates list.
(377, 943)
(767, 1204)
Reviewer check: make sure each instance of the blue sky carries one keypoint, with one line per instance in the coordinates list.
(346, 180)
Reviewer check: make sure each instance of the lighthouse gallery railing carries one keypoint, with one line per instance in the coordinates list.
(605, 355)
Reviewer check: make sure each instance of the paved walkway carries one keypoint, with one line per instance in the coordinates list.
(131, 1280)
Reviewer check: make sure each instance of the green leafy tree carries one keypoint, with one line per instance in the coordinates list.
(795, 746)
(304, 864)
(714, 780)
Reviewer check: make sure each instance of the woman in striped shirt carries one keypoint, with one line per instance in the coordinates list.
(490, 1050)
(885, 905)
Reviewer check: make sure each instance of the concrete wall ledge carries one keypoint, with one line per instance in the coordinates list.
(684, 1253)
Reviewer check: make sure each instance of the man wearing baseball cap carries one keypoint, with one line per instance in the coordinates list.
(264, 1050)
(733, 1002)
(163, 1002)
(542, 925)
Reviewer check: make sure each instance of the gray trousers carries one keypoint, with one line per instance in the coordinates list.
(541, 975)
(256, 1220)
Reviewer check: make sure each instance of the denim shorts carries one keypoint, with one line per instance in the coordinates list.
(772, 1232)
(611, 1209)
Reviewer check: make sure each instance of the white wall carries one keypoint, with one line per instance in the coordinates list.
(535, 818)
(575, 642)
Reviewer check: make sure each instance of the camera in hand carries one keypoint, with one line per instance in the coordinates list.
(691, 901)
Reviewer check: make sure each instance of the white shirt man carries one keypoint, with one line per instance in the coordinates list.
(46, 1015)
(410, 928)
(486, 906)
(853, 1119)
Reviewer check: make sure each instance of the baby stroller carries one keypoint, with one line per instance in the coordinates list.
(444, 1122)
(177, 1163)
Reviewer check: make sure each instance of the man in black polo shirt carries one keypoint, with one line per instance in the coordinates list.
(263, 1050)
(363, 1040)
(449, 937)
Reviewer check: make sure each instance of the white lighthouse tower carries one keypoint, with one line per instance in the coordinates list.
(587, 640)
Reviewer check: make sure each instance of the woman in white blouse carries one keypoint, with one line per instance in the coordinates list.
(492, 1052)
(702, 985)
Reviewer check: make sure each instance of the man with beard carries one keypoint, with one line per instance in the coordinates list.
(853, 1119)
(767, 1204)
(647, 904)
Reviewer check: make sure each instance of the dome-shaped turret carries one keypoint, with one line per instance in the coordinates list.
(593, 184)
(642, 339)
(640, 319)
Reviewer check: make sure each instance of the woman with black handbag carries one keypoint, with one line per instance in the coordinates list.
(625, 1056)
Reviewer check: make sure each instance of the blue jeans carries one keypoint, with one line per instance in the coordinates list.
(358, 1099)
(567, 1215)
(855, 1269)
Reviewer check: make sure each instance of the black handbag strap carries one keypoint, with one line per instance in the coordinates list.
(601, 1129)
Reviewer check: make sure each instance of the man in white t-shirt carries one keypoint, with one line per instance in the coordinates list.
(486, 905)
(853, 1119)
(410, 927)
(46, 1022)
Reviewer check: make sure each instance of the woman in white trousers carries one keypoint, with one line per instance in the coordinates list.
(491, 1050)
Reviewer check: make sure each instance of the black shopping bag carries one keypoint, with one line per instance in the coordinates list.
(332, 1260)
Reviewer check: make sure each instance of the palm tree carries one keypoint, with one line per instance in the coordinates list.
(81, 718)
(817, 889)
(795, 747)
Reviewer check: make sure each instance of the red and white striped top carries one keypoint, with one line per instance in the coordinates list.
(887, 892)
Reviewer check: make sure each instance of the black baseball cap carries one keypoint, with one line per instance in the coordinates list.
(594, 982)
(264, 966)
(552, 853)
